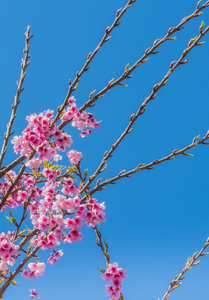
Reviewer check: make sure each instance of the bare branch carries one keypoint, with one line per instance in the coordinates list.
(191, 262)
(128, 70)
(149, 166)
(24, 64)
(13, 164)
(90, 57)
(141, 110)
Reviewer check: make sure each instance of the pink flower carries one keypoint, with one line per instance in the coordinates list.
(117, 275)
(34, 294)
(113, 268)
(76, 235)
(58, 254)
(74, 157)
(36, 269)
(52, 260)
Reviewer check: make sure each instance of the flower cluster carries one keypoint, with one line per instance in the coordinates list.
(83, 121)
(117, 275)
(49, 192)
(53, 258)
(95, 214)
(74, 156)
(40, 130)
(36, 269)
(36, 136)
(8, 251)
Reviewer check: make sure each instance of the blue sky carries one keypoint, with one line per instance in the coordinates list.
(158, 218)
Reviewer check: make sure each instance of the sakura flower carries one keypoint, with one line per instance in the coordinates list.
(117, 275)
(74, 157)
(34, 294)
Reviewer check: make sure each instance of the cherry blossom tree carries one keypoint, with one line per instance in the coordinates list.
(45, 201)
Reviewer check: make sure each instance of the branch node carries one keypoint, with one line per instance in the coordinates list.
(155, 52)
(131, 117)
(198, 4)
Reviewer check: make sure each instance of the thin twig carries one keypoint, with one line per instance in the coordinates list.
(17, 271)
(149, 166)
(73, 85)
(11, 166)
(9, 191)
(191, 262)
(90, 57)
(192, 43)
(24, 64)
(99, 242)
(28, 237)
(24, 215)
(149, 51)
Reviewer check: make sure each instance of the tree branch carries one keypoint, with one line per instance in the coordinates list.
(73, 85)
(149, 166)
(149, 51)
(9, 191)
(125, 75)
(90, 57)
(17, 271)
(191, 262)
(192, 43)
(24, 64)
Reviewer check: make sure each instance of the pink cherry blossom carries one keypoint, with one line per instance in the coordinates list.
(33, 294)
(117, 275)
(74, 157)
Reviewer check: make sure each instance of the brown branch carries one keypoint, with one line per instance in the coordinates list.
(90, 57)
(143, 59)
(192, 43)
(149, 166)
(28, 237)
(23, 216)
(191, 262)
(24, 64)
(104, 249)
(99, 242)
(17, 271)
(9, 191)
(72, 86)
(148, 52)
(11, 166)
(97, 232)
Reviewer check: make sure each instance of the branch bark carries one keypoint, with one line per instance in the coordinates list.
(192, 43)
(149, 166)
(24, 64)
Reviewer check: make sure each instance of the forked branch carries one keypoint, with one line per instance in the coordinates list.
(123, 174)
(90, 57)
(175, 64)
(149, 51)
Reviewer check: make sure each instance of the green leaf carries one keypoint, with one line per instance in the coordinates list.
(101, 270)
(85, 174)
(14, 282)
(11, 219)
(72, 169)
(28, 229)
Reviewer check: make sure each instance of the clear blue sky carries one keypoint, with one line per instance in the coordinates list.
(158, 218)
